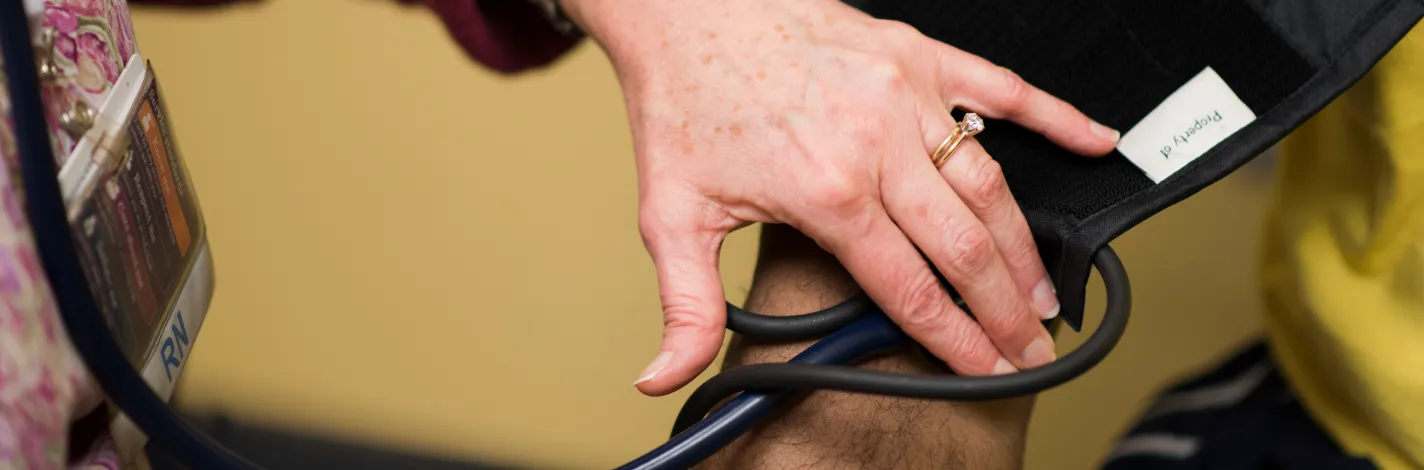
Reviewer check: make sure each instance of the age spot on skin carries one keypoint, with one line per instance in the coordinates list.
(706, 59)
(717, 130)
(761, 75)
(736, 130)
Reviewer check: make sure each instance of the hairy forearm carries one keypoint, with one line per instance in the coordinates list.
(843, 430)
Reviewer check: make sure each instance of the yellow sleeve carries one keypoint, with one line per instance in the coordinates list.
(1343, 262)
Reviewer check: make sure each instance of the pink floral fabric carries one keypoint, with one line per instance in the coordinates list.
(42, 381)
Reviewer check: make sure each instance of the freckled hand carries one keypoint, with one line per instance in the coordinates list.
(813, 114)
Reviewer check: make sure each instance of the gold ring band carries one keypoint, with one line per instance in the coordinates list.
(970, 126)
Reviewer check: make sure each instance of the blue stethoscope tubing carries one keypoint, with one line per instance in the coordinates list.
(864, 337)
(822, 367)
(856, 328)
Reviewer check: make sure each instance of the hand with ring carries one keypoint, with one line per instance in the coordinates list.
(814, 114)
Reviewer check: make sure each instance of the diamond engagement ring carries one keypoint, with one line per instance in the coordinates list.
(970, 126)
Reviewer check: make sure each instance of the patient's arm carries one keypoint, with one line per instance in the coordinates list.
(842, 430)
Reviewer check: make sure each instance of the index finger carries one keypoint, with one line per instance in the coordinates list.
(976, 84)
(893, 273)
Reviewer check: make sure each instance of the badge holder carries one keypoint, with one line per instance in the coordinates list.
(136, 226)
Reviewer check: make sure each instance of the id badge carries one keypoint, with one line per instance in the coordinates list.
(140, 234)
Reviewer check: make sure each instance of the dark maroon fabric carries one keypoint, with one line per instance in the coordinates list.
(508, 36)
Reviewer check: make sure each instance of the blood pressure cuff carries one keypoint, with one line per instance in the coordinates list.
(1157, 71)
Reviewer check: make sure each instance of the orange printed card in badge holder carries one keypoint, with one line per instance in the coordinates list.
(139, 231)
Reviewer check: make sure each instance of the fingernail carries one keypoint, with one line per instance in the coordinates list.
(1039, 352)
(656, 366)
(1106, 132)
(1004, 368)
(1045, 299)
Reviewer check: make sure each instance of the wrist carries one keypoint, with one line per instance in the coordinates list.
(593, 17)
(626, 30)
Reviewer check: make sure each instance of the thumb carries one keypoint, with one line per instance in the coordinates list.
(694, 306)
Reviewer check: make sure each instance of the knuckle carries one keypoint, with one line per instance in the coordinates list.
(1023, 251)
(971, 349)
(650, 226)
(898, 31)
(886, 76)
(989, 186)
(837, 192)
(1014, 88)
(922, 303)
(1015, 315)
(680, 314)
(971, 251)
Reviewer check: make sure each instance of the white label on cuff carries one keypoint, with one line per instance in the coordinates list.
(1194, 119)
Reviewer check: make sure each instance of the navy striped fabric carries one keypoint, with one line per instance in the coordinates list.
(1242, 415)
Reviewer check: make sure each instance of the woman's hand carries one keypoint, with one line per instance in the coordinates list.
(813, 114)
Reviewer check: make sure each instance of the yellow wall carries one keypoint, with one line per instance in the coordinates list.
(415, 252)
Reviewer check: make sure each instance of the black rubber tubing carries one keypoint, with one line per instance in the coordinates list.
(797, 327)
(805, 377)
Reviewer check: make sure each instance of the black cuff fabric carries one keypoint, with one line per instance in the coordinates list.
(1116, 60)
